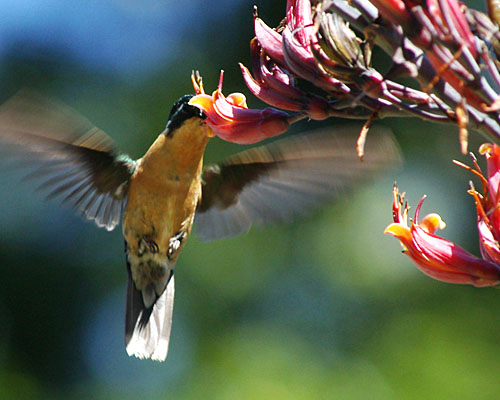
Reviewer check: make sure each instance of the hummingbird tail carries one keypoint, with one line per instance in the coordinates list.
(147, 330)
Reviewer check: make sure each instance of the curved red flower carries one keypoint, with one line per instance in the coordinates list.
(437, 257)
(231, 119)
(274, 86)
(487, 203)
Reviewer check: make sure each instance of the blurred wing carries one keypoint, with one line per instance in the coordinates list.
(276, 182)
(73, 159)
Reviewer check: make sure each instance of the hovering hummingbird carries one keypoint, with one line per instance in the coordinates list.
(160, 195)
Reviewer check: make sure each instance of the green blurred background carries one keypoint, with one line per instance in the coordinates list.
(324, 308)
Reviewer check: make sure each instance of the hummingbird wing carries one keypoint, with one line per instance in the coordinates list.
(73, 159)
(274, 183)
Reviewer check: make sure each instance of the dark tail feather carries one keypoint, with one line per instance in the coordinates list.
(147, 330)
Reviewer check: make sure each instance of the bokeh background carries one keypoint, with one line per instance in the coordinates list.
(324, 308)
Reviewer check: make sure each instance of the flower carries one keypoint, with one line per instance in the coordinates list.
(294, 49)
(274, 86)
(231, 119)
(437, 257)
(487, 204)
(318, 62)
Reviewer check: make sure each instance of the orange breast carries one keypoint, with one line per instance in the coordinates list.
(157, 208)
(165, 187)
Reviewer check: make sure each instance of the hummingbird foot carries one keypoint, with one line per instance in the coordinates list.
(149, 242)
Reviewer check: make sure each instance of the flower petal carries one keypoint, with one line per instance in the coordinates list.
(492, 154)
(401, 232)
(432, 222)
(251, 132)
(270, 40)
(490, 249)
(447, 256)
(206, 103)
(275, 92)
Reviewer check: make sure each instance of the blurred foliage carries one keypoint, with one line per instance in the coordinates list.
(324, 308)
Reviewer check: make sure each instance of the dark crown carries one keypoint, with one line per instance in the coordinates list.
(182, 111)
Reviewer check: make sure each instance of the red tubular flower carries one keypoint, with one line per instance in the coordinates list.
(430, 24)
(445, 21)
(448, 19)
(492, 154)
(231, 120)
(437, 257)
(291, 48)
(487, 204)
(298, 36)
(270, 40)
(299, 17)
(275, 87)
(298, 58)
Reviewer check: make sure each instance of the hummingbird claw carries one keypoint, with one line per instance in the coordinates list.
(151, 244)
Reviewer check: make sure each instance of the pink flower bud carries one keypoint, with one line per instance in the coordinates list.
(275, 87)
(269, 40)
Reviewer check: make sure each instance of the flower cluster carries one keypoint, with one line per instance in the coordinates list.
(318, 64)
(448, 49)
(442, 259)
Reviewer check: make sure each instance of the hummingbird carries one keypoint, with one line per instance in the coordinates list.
(160, 196)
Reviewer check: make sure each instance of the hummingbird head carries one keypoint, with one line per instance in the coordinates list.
(181, 111)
